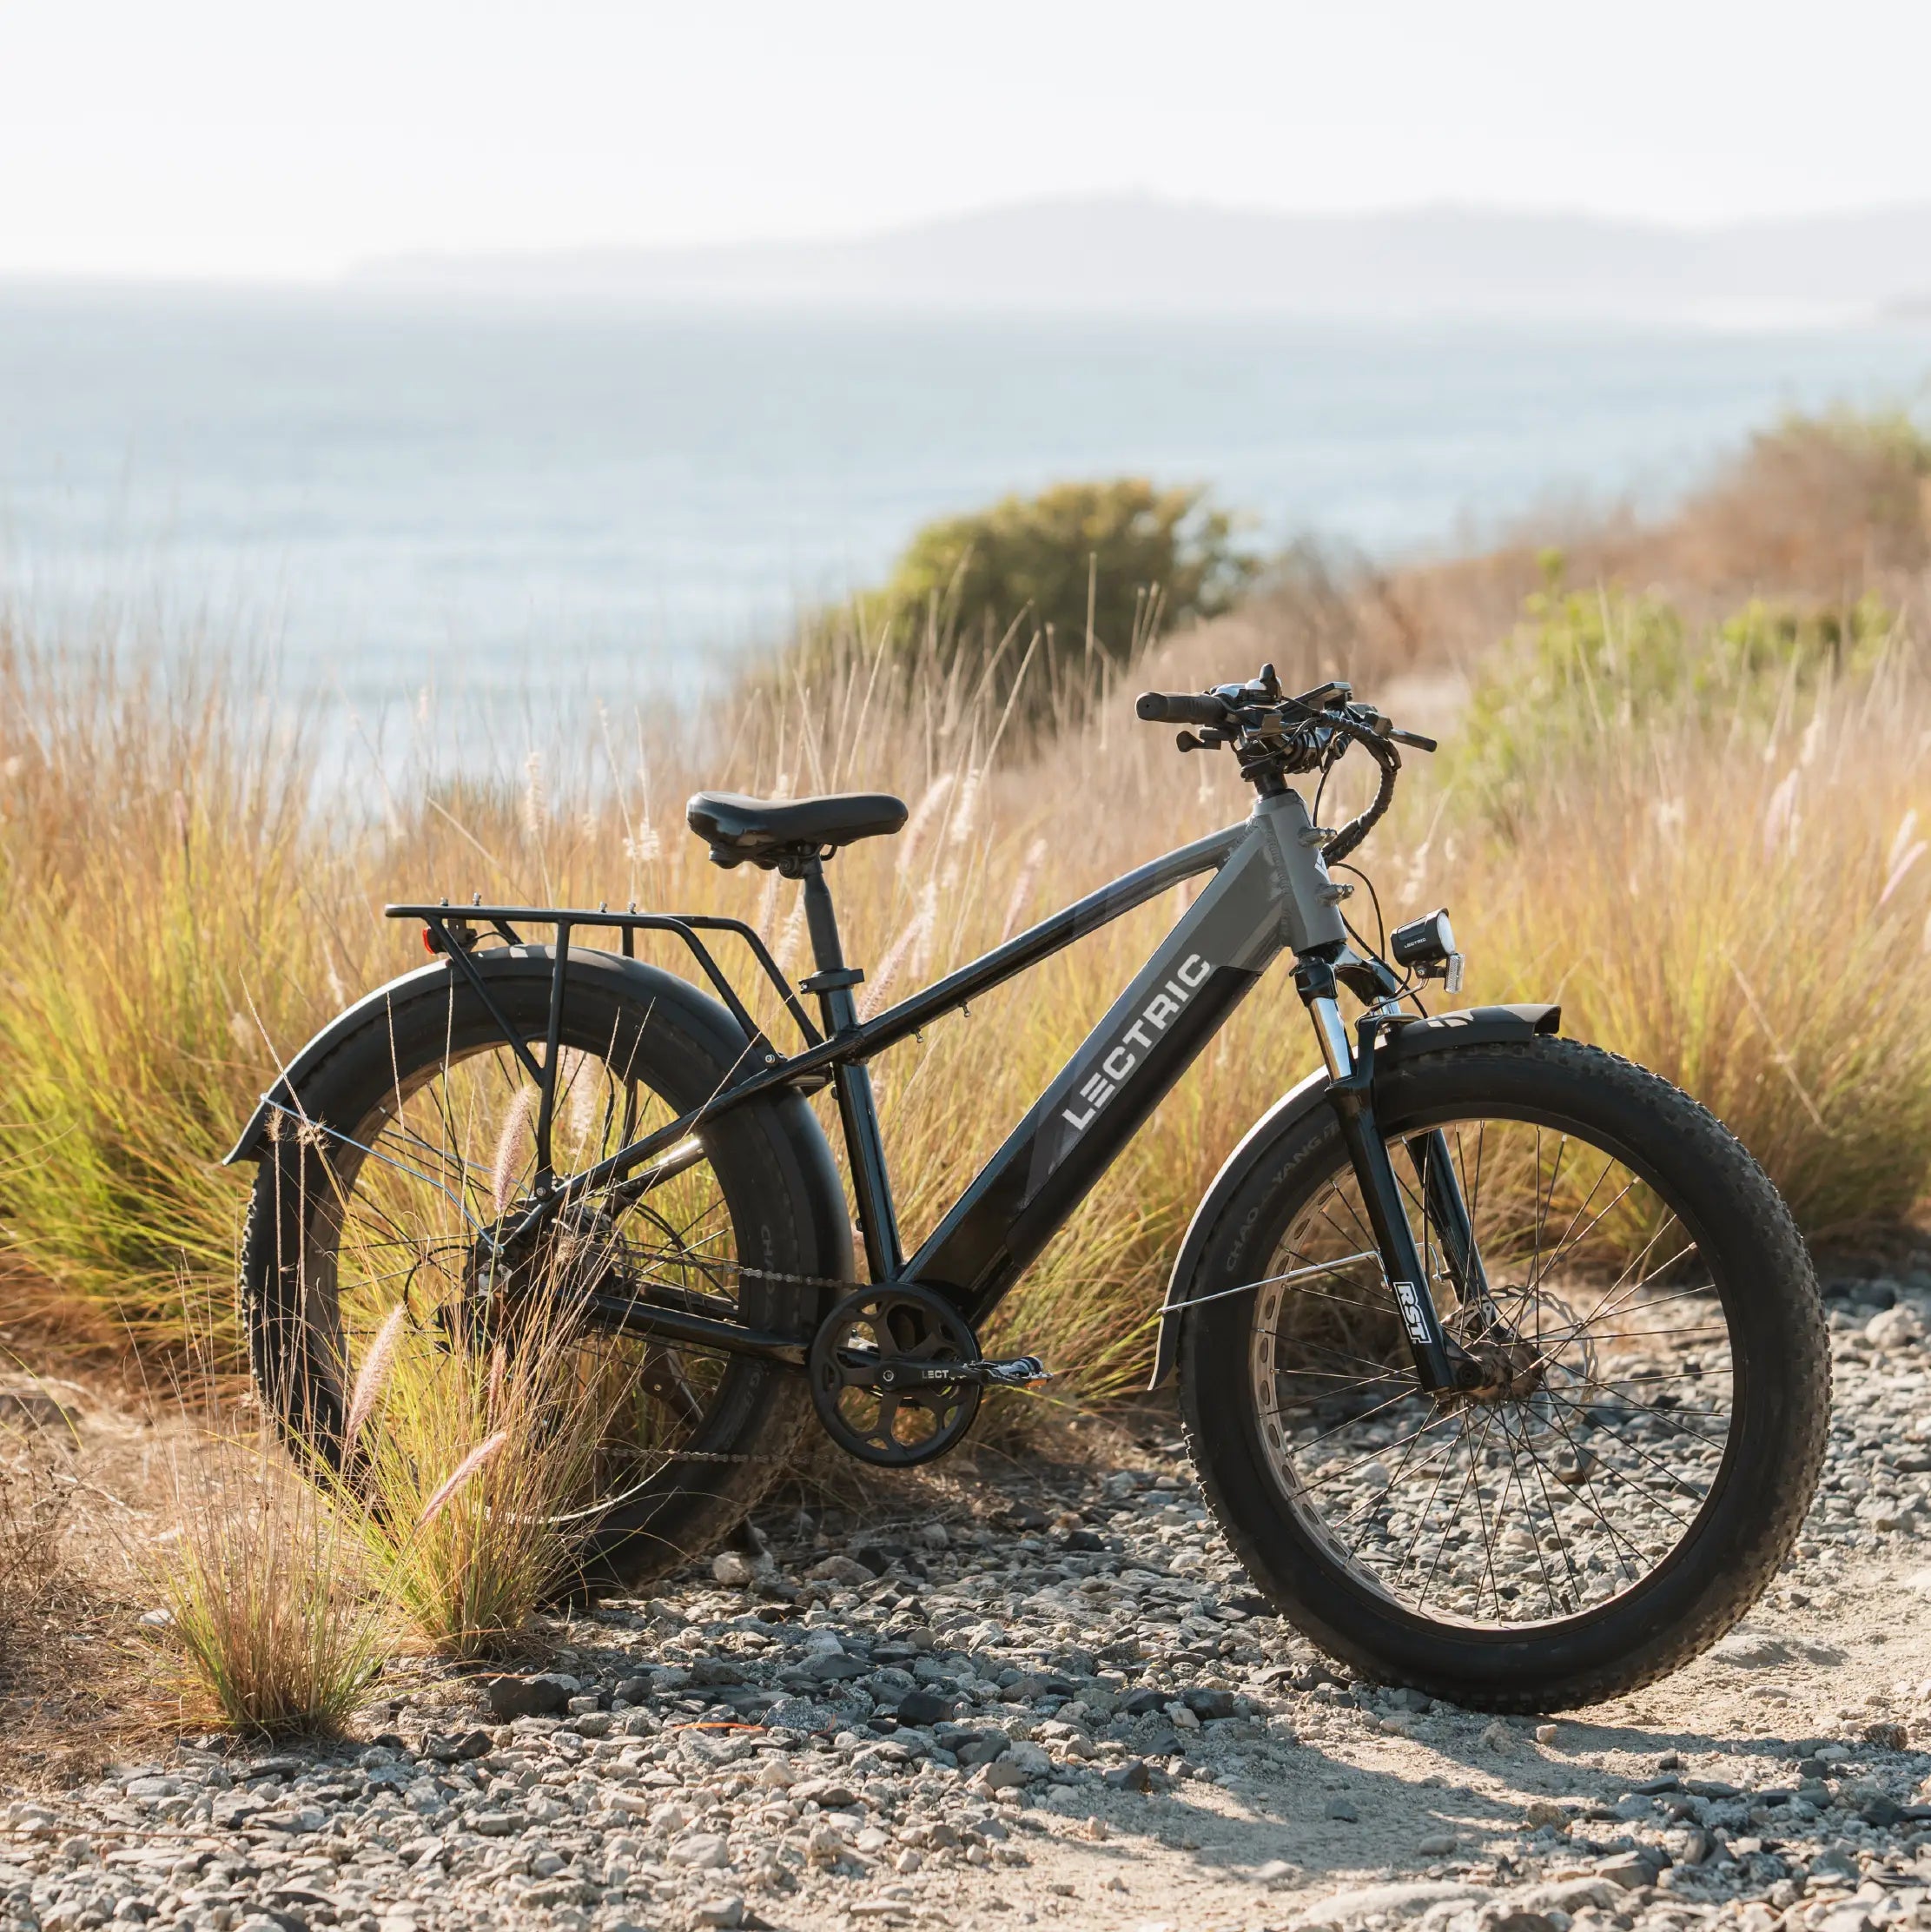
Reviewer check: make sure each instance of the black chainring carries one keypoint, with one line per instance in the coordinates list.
(877, 1374)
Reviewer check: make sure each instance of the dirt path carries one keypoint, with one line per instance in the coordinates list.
(1052, 1700)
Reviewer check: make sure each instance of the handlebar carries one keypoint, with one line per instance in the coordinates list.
(1182, 707)
(1273, 734)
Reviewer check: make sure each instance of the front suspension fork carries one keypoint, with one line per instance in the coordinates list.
(1448, 1213)
(1441, 1364)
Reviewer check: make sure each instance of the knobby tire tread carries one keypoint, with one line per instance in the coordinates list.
(713, 1496)
(1787, 1484)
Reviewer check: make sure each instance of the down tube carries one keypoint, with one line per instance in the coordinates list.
(1178, 1001)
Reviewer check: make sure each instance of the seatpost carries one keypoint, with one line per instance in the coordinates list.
(857, 1110)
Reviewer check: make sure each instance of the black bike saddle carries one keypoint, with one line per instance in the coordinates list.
(764, 830)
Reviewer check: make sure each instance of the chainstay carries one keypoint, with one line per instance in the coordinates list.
(703, 1264)
(742, 1269)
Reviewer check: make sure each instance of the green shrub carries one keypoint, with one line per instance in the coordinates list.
(1085, 569)
(1817, 505)
(1584, 666)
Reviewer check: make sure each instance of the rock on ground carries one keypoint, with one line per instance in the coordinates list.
(1070, 1711)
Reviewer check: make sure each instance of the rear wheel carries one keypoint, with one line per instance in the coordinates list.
(1642, 1454)
(419, 1136)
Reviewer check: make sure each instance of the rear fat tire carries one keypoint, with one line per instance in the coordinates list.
(1779, 1423)
(772, 1171)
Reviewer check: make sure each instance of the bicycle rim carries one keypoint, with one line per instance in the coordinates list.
(481, 1346)
(1602, 1437)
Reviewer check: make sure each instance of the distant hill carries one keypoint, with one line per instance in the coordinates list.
(1127, 253)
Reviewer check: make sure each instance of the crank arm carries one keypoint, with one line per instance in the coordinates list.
(1015, 1373)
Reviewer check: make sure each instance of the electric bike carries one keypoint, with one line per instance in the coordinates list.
(1501, 1362)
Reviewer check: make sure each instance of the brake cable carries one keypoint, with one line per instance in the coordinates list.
(1389, 760)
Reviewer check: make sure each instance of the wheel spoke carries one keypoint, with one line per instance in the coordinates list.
(1493, 1505)
(406, 1212)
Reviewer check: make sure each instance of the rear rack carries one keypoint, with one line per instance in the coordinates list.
(445, 923)
(452, 931)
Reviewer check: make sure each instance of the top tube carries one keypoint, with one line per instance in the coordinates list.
(1097, 909)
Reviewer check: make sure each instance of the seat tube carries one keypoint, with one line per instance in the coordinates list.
(857, 1107)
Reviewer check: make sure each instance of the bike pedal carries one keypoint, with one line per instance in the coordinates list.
(1015, 1373)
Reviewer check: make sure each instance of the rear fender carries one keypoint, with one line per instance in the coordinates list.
(648, 985)
(1475, 1026)
(704, 1018)
(371, 1009)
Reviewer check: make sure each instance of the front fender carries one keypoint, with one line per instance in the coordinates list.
(1475, 1026)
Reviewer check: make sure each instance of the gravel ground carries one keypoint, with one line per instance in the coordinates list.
(1070, 1708)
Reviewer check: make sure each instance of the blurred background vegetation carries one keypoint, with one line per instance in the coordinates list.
(1682, 793)
(1046, 595)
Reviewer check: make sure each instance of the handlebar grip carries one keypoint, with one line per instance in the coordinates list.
(1182, 707)
(1416, 740)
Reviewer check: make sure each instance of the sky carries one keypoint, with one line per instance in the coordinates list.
(257, 139)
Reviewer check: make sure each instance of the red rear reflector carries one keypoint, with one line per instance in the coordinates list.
(428, 941)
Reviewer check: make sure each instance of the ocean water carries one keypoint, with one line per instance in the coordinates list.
(493, 502)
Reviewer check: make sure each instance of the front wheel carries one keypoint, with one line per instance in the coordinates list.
(1637, 1463)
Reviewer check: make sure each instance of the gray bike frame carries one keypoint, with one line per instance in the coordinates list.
(1270, 892)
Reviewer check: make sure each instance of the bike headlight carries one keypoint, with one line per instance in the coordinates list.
(1424, 942)
(1427, 948)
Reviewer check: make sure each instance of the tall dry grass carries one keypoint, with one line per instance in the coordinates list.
(287, 1587)
(1746, 908)
(468, 1468)
(1737, 898)
(32, 1516)
(272, 1626)
(168, 896)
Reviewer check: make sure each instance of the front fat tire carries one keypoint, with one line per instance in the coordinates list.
(1779, 1428)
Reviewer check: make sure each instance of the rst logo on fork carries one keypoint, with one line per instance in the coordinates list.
(1120, 1060)
(1410, 1302)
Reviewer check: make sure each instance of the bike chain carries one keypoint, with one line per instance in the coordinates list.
(743, 1269)
(702, 1262)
